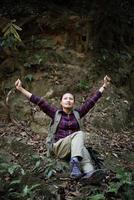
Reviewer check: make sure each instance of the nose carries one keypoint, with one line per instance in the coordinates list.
(68, 101)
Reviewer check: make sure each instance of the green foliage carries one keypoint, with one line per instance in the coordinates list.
(112, 59)
(57, 57)
(53, 165)
(37, 162)
(13, 184)
(49, 166)
(28, 190)
(34, 61)
(124, 176)
(39, 59)
(82, 85)
(39, 43)
(29, 78)
(121, 186)
(97, 197)
(11, 169)
(124, 184)
(11, 36)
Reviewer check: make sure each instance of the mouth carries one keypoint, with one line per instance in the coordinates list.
(68, 104)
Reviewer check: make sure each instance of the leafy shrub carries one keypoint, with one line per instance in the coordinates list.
(54, 166)
(120, 186)
(13, 184)
(82, 85)
(29, 78)
(11, 37)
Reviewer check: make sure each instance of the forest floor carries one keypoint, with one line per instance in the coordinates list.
(19, 145)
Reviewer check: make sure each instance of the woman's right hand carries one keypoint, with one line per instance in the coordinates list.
(18, 84)
(107, 80)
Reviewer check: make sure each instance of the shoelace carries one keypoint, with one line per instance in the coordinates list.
(75, 167)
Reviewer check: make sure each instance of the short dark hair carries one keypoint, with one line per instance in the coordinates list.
(66, 93)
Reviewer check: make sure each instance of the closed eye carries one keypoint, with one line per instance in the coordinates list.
(68, 98)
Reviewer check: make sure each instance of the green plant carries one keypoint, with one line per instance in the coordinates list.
(11, 36)
(82, 85)
(37, 162)
(120, 187)
(97, 197)
(13, 184)
(39, 59)
(123, 177)
(29, 78)
(52, 166)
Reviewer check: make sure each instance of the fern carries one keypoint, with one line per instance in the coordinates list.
(11, 36)
(11, 29)
(97, 197)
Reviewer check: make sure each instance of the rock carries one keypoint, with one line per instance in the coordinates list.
(40, 123)
(49, 93)
(40, 129)
(41, 118)
(20, 109)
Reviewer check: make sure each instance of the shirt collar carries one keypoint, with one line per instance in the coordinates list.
(61, 111)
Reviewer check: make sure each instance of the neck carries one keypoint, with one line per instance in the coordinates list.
(67, 111)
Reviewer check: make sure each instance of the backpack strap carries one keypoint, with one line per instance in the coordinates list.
(54, 125)
(51, 131)
(77, 116)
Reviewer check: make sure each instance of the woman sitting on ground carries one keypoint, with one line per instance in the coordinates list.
(68, 138)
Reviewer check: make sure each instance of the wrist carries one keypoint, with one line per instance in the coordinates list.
(104, 86)
(20, 89)
(101, 89)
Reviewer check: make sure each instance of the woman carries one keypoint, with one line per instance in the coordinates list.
(67, 136)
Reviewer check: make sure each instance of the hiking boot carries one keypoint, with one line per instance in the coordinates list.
(94, 177)
(75, 169)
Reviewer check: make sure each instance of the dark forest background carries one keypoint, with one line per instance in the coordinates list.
(112, 20)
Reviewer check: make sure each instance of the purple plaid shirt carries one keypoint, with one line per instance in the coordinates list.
(68, 123)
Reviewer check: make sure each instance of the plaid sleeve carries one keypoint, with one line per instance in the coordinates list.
(44, 105)
(88, 104)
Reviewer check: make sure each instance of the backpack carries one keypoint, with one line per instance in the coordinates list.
(53, 127)
(96, 158)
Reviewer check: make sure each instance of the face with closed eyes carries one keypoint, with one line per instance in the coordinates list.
(67, 101)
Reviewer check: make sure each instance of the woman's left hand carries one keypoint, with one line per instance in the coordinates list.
(106, 82)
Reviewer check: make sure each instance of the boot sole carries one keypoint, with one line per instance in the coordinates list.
(95, 178)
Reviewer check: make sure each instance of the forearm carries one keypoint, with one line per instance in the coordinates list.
(102, 88)
(25, 92)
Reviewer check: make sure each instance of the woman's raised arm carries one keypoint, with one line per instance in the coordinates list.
(90, 101)
(43, 104)
(18, 85)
